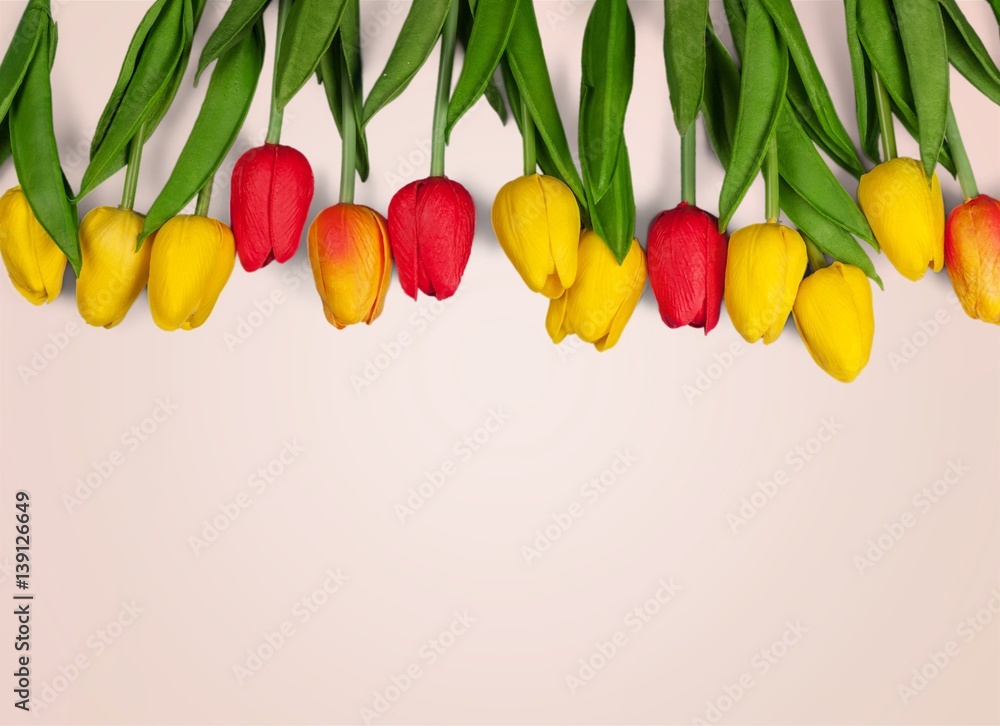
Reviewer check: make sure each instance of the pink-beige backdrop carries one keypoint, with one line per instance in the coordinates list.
(444, 518)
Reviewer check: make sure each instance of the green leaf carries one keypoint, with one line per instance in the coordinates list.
(967, 52)
(227, 101)
(490, 31)
(20, 52)
(530, 73)
(309, 30)
(945, 159)
(922, 32)
(829, 237)
(803, 169)
(4, 140)
(736, 16)
(36, 155)
(148, 91)
(608, 65)
(812, 99)
(762, 92)
(684, 51)
(241, 16)
(494, 95)
(416, 40)
(720, 105)
(864, 89)
(613, 215)
(128, 68)
(345, 49)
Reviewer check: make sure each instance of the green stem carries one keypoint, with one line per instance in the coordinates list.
(348, 135)
(886, 126)
(277, 114)
(443, 90)
(817, 260)
(132, 173)
(966, 177)
(204, 198)
(528, 137)
(772, 199)
(689, 147)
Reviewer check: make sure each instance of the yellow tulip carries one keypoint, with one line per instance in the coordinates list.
(33, 261)
(113, 273)
(192, 259)
(906, 213)
(537, 221)
(763, 271)
(600, 302)
(833, 313)
(351, 263)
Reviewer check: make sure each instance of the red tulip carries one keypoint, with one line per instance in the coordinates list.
(687, 266)
(972, 256)
(431, 226)
(272, 191)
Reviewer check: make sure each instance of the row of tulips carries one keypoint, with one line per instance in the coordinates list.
(570, 239)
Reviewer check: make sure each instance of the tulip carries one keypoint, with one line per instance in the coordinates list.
(34, 262)
(600, 302)
(833, 313)
(193, 257)
(271, 194)
(431, 226)
(113, 272)
(687, 266)
(906, 213)
(537, 221)
(763, 271)
(972, 257)
(351, 263)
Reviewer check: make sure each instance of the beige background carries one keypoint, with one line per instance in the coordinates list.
(676, 465)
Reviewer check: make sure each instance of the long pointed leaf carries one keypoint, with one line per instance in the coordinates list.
(762, 91)
(922, 32)
(20, 52)
(720, 105)
(240, 18)
(491, 29)
(613, 215)
(967, 52)
(684, 52)
(227, 101)
(309, 30)
(416, 40)
(864, 90)
(36, 155)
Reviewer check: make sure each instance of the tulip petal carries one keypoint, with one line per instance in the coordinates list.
(113, 272)
(636, 264)
(403, 236)
(555, 319)
(34, 263)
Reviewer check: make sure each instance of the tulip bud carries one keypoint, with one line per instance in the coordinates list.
(431, 226)
(763, 271)
(351, 263)
(537, 221)
(833, 313)
(972, 257)
(193, 257)
(906, 213)
(113, 273)
(34, 262)
(271, 193)
(687, 266)
(600, 302)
